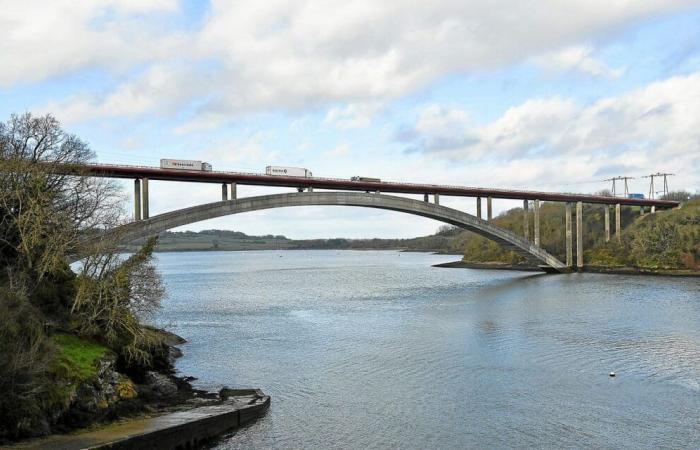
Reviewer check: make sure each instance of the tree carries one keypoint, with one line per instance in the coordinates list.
(43, 210)
(114, 296)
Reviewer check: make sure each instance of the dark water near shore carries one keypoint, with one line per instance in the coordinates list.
(379, 350)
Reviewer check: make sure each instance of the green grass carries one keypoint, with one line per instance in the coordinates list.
(77, 358)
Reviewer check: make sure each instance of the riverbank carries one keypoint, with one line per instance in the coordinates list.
(589, 269)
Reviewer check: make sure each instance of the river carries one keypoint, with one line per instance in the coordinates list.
(377, 349)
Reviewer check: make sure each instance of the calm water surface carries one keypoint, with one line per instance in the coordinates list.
(380, 350)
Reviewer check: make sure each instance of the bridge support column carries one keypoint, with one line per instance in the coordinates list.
(137, 199)
(489, 210)
(234, 194)
(224, 192)
(425, 198)
(144, 198)
(606, 210)
(537, 222)
(310, 189)
(569, 237)
(653, 209)
(641, 210)
(526, 220)
(478, 207)
(579, 235)
(437, 199)
(618, 222)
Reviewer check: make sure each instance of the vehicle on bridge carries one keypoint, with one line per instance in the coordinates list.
(283, 171)
(637, 196)
(371, 180)
(185, 164)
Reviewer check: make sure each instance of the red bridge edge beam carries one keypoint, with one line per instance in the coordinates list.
(155, 173)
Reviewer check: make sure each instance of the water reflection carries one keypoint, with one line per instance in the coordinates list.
(377, 350)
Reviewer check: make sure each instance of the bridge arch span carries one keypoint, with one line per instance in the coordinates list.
(157, 224)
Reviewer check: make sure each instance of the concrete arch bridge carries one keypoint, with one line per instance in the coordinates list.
(157, 224)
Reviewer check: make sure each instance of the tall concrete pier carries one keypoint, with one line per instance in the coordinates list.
(579, 235)
(569, 237)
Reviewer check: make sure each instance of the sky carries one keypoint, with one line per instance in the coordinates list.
(553, 95)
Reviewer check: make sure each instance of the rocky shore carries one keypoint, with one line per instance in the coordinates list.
(111, 392)
(589, 269)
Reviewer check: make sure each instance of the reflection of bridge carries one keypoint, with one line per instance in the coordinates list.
(369, 196)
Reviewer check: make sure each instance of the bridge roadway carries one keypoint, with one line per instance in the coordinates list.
(162, 222)
(256, 179)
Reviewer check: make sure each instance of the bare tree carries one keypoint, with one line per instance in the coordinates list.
(43, 210)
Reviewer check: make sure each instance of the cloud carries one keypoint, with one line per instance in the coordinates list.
(250, 56)
(43, 39)
(653, 128)
(353, 115)
(578, 58)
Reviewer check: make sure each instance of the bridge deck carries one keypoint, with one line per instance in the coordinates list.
(256, 179)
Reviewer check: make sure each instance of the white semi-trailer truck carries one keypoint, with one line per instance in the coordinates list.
(185, 164)
(288, 171)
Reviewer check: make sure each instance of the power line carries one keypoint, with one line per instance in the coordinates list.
(614, 179)
(651, 183)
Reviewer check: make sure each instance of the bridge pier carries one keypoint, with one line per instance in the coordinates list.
(618, 225)
(478, 207)
(526, 221)
(437, 198)
(579, 236)
(144, 198)
(537, 222)
(425, 198)
(224, 192)
(234, 190)
(489, 210)
(606, 210)
(569, 237)
(137, 199)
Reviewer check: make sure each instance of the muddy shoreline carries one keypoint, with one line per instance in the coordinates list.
(586, 269)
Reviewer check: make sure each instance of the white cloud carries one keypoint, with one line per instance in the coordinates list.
(284, 55)
(550, 141)
(578, 58)
(42, 39)
(353, 115)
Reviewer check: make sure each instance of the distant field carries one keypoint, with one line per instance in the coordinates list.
(221, 240)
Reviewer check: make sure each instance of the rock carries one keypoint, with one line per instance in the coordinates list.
(173, 354)
(161, 384)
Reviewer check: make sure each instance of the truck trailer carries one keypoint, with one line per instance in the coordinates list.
(185, 164)
(283, 171)
(370, 179)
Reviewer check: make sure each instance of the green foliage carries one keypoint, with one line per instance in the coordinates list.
(77, 357)
(112, 296)
(665, 240)
(25, 353)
